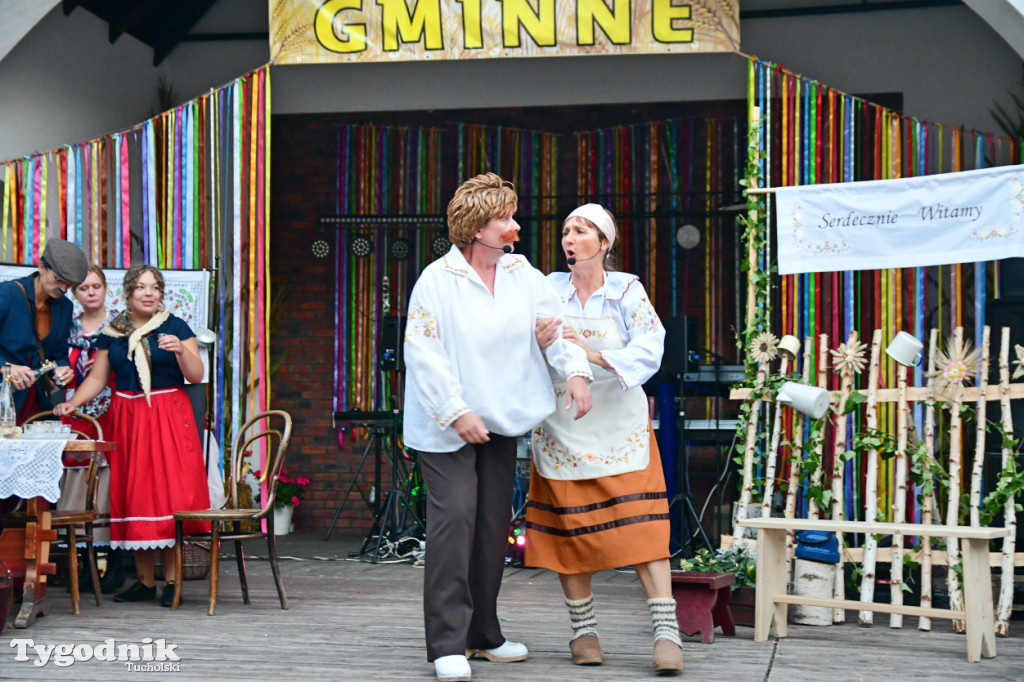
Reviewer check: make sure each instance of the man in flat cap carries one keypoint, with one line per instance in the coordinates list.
(35, 321)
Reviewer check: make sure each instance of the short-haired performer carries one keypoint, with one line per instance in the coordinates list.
(476, 379)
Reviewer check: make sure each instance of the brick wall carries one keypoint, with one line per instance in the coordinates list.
(303, 176)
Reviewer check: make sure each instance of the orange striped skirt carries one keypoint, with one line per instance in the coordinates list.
(596, 524)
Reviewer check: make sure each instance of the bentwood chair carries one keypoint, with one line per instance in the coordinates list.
(69, 520)
(274, 429)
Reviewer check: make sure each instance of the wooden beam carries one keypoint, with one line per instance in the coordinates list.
(189, 15)
(884, 554)
(876, 528)
(869, 606)
(126, 18)
(914, 393)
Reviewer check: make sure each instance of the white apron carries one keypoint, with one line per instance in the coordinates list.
(613, 438)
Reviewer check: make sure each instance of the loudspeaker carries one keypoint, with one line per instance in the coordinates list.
(681, 341)
(392, 333)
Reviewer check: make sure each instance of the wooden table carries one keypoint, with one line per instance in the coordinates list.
(26, 549)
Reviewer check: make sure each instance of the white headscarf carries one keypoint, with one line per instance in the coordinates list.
(596, 214)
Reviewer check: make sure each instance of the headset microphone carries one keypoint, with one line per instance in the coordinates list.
(507, 248)
(573, 260)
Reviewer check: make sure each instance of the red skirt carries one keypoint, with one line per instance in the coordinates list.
(157, 469)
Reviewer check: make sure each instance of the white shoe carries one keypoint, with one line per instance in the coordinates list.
(506, 653)
(453, 668)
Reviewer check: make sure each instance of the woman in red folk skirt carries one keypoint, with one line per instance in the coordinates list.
(158, 467)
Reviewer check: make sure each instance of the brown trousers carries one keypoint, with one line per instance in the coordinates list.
(469, 507)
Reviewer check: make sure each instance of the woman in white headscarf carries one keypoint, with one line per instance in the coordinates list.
(597, 491)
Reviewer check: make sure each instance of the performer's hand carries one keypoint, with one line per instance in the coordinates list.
(546, 330)
(577, 390)
(471, 428)
(170, 343)
(593, 356)
(64, 409)
(64, 375)
(21, 376)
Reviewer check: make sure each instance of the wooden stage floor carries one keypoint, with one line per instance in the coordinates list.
(353, 620)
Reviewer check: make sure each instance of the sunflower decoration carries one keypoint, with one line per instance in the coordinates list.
(954, 367)
(764, 348)
(850, 355)
(1019, 362)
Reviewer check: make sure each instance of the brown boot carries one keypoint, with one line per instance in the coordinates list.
(586, 650)
(668, 657)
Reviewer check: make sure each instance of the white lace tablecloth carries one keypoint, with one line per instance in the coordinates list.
(30, 468)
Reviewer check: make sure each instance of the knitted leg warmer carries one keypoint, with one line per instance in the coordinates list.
(663, 616)
(581, 613)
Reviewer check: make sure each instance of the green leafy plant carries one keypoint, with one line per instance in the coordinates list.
(1010, 483)
(738, 560)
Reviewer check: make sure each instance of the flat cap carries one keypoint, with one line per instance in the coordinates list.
(67, 261)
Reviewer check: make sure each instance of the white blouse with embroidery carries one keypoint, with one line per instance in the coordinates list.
(623, 298)
(466, 350)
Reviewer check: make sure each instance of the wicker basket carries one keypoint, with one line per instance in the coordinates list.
(196, 562)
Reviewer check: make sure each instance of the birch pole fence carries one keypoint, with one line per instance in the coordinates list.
(748, 453)
(979, 442)
(867, 583)
(838, 464)
(1005, 605)
(899, 506)
(956, 597)
(947, 372)
(928, 498)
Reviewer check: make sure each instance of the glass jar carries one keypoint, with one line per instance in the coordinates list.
(7, 412)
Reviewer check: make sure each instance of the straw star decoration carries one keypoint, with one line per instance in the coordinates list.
(956, 367)
(1019, 362)
(850, 355)
(764, 348)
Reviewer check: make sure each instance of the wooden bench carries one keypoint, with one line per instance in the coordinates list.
(773, 602)
(702, 602)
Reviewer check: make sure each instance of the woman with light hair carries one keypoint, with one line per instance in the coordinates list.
(158, 468)
(597, 495)
(475, 380)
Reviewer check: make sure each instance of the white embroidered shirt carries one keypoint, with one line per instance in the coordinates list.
(623, 298)
(468, 350)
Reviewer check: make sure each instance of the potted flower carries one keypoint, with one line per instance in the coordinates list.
(739, 560)
(290, 490)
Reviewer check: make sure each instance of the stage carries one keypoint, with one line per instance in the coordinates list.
(352, 620)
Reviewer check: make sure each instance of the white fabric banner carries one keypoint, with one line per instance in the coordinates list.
(940, 219)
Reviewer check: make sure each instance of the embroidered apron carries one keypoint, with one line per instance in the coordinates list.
(613, 438)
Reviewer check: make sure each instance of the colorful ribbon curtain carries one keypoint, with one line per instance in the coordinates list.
(810, 133)
(385, 173)
(655, 178)
(382, 172)
(529, 160)
(187, 189)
